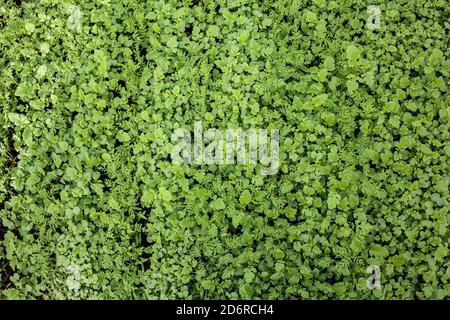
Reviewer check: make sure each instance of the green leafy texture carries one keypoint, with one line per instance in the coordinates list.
(87, 185)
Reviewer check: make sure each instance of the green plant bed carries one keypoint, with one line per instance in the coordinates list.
(92, 205)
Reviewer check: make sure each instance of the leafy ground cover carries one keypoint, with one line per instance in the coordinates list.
(93, 207)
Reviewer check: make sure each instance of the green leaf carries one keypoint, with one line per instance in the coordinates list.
(123, 136)
(28, 136)
(379, 251)
(18, 119)
(165, 194)
(219, 204)
(245, 197)
(24, 90)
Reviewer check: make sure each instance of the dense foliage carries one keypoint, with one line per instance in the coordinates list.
(93, 207)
